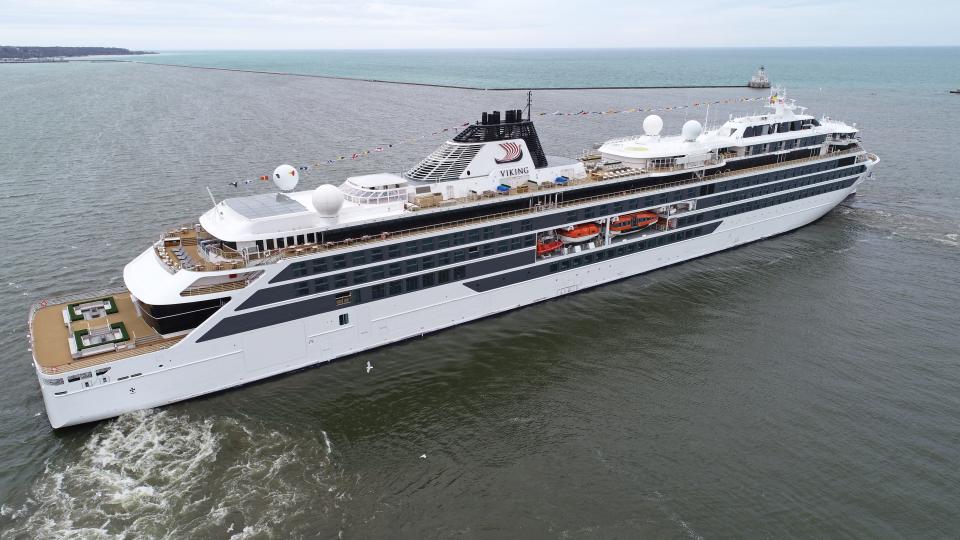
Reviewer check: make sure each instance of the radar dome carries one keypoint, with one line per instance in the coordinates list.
(691, 130)
(285, 177)
(652, 125)
(327, 200)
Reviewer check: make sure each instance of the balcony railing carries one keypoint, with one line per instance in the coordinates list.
(273, 256)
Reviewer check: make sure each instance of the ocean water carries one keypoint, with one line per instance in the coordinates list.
(803, 386)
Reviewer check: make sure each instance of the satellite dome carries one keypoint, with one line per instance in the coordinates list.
(691, 130)
(327, 200)
(652, 125)
(285, 177)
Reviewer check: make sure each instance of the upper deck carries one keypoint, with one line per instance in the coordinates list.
(223, 258)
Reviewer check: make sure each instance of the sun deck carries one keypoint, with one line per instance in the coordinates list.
(62, 342)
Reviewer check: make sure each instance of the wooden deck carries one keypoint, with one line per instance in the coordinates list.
(50, 334)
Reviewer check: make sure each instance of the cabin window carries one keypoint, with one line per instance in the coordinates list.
(393, 251)
(427, 280)
(300, 239)
(395, 287)
(344, 319)
(339, 261)
(311, 237)
(270, 245)
(443, 276)
(344, 298)
(290, 241)
(412, 284)
(427, 262)
(340, 281)
(376, 254)
(378, 291)
(280, 244)
(395, 269)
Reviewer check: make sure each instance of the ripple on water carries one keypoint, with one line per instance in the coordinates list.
(156, 474)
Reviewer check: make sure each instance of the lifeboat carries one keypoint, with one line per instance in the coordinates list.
(629, 223)
(579, 233)
(548, 246)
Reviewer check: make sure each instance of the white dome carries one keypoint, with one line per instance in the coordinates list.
(691, 130)
(327, 200)
(285, 177)
(652, 125)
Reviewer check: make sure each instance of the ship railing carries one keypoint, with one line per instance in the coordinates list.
(212, 288)
(270, 257)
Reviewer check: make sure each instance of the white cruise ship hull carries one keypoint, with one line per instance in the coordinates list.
(190, 368)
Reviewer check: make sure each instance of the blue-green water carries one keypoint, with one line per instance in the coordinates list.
(913, 69)
(803, 386)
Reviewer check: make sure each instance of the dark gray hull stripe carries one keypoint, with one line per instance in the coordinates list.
(323, 304)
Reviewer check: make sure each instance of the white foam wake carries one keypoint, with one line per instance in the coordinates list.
(157, 475)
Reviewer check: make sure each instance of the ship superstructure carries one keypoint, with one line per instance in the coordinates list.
(270, 283)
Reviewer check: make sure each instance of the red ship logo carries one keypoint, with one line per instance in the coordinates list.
(511, 152)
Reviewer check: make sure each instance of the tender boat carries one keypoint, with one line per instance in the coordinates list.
(583, 232)
(547, 246)
(631, 223)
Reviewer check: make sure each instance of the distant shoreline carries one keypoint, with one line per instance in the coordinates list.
(15, 53)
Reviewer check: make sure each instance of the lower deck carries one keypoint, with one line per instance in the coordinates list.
(80, 332)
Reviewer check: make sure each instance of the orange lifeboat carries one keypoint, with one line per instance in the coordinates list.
(579, 233)
(629, 223)
(547, 246)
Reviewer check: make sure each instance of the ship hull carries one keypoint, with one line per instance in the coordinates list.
(191, 368)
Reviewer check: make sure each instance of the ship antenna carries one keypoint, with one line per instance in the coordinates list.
(529, 105)
(211, 196)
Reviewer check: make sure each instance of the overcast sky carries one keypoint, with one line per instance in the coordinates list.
(303, 24)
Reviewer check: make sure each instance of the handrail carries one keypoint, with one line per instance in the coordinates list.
(248, 278)
(273, 256)
(104, 358)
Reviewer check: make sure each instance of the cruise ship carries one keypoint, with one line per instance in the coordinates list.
(275, 282)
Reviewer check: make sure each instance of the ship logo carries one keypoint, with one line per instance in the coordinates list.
(511, 152)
